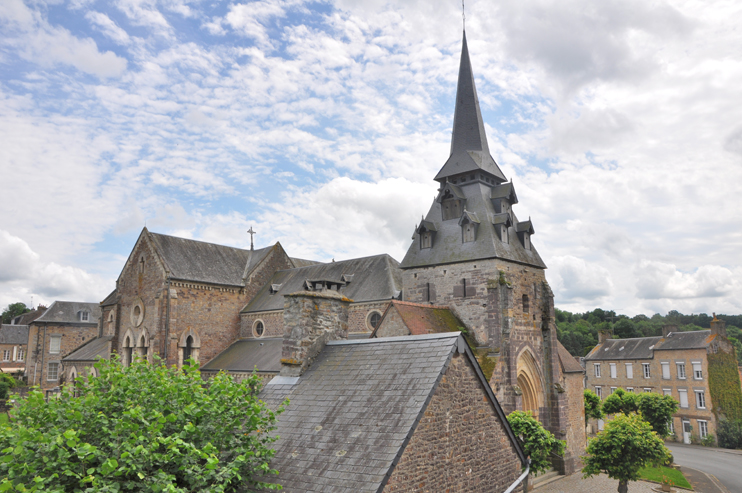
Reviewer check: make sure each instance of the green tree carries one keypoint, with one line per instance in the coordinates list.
(593, 409)
(621, 401)
(13, 310)
(657, 410)
(538, 443)
(625, 445)
(144, 428)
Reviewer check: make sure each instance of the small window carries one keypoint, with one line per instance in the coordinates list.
(526, 241)
(703, 429)
(504, 234)
(52, 372)
(426, 240)
(681, 370)
(665, 371)
(613, 370)
(258, 329)
(697, 370)
(647, 372)
(141, 265)
(613, 389)
(373, 320)
(630, 390)
(599, 392)
(6, 355)
(667, 392)
(526, 305)
(55, 344)
(596, 366)
(83, 316)
(21, 354)
(647, 389)
(629, 370)
(700, 399)
(468, 233)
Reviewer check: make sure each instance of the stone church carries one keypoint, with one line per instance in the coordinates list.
(470, 255)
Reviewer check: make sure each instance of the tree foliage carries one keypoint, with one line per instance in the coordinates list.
(625, 445)
(730, 433)
(145, 428)
(621, 401)
(657, 410)
(538, 443)
(593, 408)
(13, 310)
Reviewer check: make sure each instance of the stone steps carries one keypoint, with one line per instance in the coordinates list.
(545, 478)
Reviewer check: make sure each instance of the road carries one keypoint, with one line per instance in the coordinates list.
(726, 466)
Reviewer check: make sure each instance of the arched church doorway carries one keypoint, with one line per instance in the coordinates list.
(529, 381)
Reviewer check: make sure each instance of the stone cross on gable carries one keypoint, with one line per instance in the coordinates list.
(252, 233)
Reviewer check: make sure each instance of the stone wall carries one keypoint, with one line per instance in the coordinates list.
(460, 445)
(392, 325)
(576, 436)
(13, 353)
(73, 336)
(358, 315)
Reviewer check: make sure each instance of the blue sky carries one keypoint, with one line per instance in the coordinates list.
(322, 124)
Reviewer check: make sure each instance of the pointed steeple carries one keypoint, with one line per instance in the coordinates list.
(469, 149)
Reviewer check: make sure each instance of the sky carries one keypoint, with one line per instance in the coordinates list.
(321, 124)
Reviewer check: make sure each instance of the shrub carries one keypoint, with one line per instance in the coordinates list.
(708, 441)
(4, 387)
(144, 428)
(730, 433)
(538, 443)
(620, 401)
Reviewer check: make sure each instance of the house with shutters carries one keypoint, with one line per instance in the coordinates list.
(692, 367)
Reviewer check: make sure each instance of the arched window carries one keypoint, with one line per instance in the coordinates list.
(188, 349)
(110, 322)
(373, 319)
(526, 306)
(128, 351)
(143, 348)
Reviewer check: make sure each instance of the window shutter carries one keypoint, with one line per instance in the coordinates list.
(697, 371)
(683, 398)
(613, 370)
(471, 291)
(458, 291)
(666, 371)
(629, 370)
(431, 292)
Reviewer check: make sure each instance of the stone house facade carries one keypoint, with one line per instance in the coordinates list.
(676, 364)
(13, 348)
(62, 328)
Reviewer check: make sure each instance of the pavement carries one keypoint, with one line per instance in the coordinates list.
(709, 469)
(597, 484)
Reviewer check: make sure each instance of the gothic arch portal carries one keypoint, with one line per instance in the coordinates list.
(530, 382)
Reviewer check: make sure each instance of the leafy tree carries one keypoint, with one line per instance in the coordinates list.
(538, 443)
(621, 401)
(625, 445)
(730, 433)
(145, 428)
(592, 405)
(13, 310)
(657, 410)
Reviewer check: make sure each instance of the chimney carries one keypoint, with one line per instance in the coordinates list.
(718, 326)
(310, 320)
(666, 329)
(604, 334)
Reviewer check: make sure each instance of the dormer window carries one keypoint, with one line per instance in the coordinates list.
(502, 222)
(452, 201)
(426, 240)
(469, 223)
(525, 230)
(426, 232)
(526, 241)
(83, 316)
(504, 233)
(274, 288)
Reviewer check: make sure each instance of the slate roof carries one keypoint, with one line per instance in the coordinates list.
(192, 260)
(569, 364)
(301, 262)
(448, 247)
(99, 347)
(469, 148)
(644, 347)
(111, 299)
(263, 353)
(14, 334)
(27, 318)
(354, 410)
(66, 312)
(374, 278)
(423, 319)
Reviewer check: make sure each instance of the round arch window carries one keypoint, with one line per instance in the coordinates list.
(137, 313)
(373, 320)
(258, 329)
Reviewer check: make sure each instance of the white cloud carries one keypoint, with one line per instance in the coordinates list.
(657, 280)
(573, 278)
(108, 27)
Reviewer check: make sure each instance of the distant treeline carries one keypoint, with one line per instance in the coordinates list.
(578, 332)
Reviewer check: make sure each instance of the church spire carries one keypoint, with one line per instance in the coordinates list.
(469, 149)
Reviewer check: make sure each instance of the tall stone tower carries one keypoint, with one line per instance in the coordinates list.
(472, 253)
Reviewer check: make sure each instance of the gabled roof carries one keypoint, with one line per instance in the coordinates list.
(504, 191)
(569, 364)
(374, 278)
(502, 218)
(66, 312)
(449, 187)
(355, 409)
(198, 261)
(468, 217)
(524, 227)
(99, 347)
(422, 319)
(27, 318)
(644, 347)
(425, 226)
(111, 299)
(13, 334)
(469, 148)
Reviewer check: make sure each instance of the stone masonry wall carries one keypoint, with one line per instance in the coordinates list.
(460, 445)
(73, 336)
(575, 420)
(392, 325)
(13, 353)
(358, 315)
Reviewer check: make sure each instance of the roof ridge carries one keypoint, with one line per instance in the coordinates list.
(209, 242)
(421, 305)
(394, 339)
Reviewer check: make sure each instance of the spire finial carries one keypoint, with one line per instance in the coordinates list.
(463, 14)
(252, 247)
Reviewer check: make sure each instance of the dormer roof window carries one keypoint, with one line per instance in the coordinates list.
(321, 284)
(502, 222)
(83, 316)
(347, 278)
(426, 232)
(274, 288)
(469, 223)
(524, 230)
(503, 197)
(452, 201)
